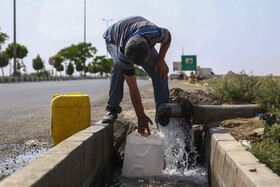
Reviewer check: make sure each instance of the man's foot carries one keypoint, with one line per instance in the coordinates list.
(110, 117)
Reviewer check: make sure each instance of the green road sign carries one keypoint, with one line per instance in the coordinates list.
(189, 62)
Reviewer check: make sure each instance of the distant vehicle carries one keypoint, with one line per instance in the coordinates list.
(177, 75)
(206, 73)
(174, 75)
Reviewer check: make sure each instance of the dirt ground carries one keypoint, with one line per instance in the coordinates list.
(147, 96)
(241, 129)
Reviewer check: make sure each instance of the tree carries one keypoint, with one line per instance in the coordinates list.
(37, 63)
(105, 63)
(100, 69)
(60, 68)
(4, 61)
(79, 66)
(58, 62)
(3, 38)
(21, 53)
(79, 54)
(92, 67)
(70, 69)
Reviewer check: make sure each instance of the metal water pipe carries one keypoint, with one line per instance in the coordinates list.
(202, 114)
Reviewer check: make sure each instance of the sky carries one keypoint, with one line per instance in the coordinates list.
(236, 35)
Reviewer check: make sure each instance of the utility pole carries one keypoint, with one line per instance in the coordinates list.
(14, 47)
(85, 9)
(107, 21)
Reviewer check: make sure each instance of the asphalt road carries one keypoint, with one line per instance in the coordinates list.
(25, 107)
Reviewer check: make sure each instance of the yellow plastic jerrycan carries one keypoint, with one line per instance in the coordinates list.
(70, 113)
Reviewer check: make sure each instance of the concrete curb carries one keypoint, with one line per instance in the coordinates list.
(229, 164)
(84, 159)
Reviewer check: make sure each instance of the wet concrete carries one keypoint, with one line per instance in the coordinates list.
(15, 156)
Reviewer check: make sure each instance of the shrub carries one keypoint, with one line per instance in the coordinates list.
(273, 133)
(265, 91)
(268, 151)
(268, 92)
(240, 87)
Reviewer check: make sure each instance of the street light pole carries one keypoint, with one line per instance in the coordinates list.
(107, 21)
(85, 20)
(14, 47)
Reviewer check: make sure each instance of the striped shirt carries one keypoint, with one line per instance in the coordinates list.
(120, 32)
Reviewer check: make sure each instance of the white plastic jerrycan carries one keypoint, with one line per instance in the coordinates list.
(144, 156)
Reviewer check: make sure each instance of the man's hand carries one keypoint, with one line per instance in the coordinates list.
(160, 63)
(162, 67)
(143, 123)
(143, 120)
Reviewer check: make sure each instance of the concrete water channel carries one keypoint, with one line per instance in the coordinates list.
(87, 159)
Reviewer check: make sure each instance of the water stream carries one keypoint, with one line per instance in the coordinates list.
(181, 167)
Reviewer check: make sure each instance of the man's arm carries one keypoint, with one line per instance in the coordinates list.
(161, 64)
(143, 120)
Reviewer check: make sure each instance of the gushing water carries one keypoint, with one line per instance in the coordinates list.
(180, 152)
(181, 167)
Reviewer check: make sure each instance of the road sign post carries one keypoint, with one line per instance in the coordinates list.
(52, 61)
(188, 62)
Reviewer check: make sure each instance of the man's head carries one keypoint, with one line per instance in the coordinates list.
(137, 50)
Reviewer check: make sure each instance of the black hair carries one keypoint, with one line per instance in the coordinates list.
(137, 50)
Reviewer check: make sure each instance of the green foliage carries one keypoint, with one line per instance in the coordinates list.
(21, 51)
(3, 38)
(69, 53)
(268, 151)
(100, 64)
(276, 111)
(60, 68)
(43, 73)
(267, 93)
(239, 88)
(273, 133)
(37, 63)
(140, 72)
(85, 51)
(4, 61)
(92, 67)
(78, 54)
(100, 69)
(79, 66)
(70, 69)
(58, 62)
(107, 65)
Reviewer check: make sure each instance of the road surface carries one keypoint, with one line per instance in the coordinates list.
(25, 107)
